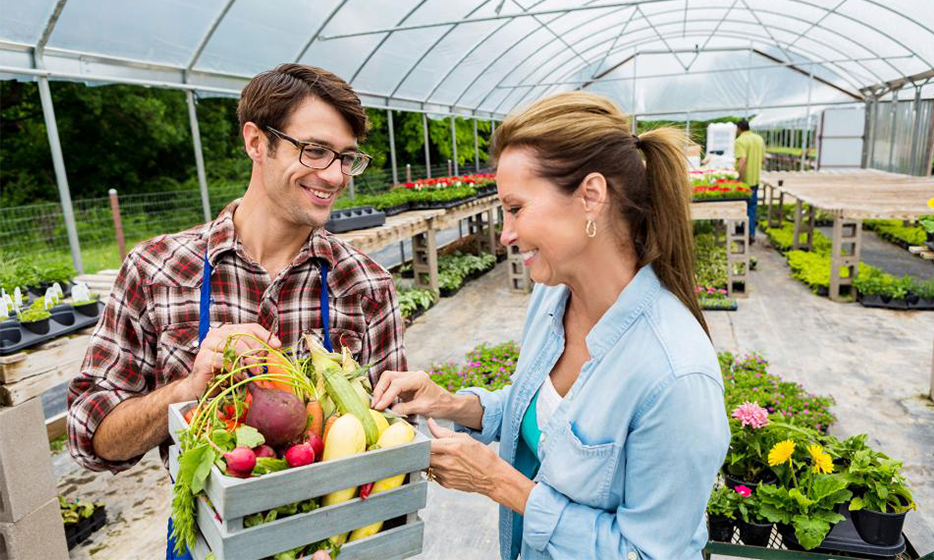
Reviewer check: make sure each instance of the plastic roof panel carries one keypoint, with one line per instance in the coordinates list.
(489, 56)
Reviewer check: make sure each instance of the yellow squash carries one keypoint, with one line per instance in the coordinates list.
(397, 434)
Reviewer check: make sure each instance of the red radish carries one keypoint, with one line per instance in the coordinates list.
(312, 439)
(264, 451)
(300, 455)
(240, 462)
(278, 415)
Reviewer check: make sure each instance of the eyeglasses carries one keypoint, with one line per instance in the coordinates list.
(317, 156)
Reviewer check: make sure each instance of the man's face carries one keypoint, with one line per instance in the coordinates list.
(304, 196)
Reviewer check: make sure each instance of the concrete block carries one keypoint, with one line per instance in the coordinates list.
(40, 534)
(26, 479)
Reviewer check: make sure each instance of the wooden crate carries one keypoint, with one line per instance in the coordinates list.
(221, 526)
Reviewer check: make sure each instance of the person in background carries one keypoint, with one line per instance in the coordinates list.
(749, 151)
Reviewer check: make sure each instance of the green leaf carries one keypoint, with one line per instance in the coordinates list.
(810, 532)
(202, 470)
(223, 439)
(774, 514)
(188, 463)
(857, 504)
(248, 436)
(266, 465)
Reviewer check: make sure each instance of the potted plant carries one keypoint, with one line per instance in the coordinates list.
(927, 224)
(721, 512)
(804, 504)
(81, 518)
(36, 318)
(754, 528)
(882, 497)
(749, 442)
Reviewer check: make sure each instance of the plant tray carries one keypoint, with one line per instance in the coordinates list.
(842, 538)
(876, 300)
(723, 199)
(728, 305)
(220, 520)
(397, 209)
(65, 320)
(350, 219)
(77, 533)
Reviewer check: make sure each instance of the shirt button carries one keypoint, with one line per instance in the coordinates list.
(541, 439)
(632, 556)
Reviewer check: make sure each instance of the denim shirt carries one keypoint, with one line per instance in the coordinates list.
(629, 457)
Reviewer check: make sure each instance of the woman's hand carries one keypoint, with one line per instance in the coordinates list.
(420, 395)
(462, 463)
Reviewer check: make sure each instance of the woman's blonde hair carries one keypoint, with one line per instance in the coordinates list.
(577, 133)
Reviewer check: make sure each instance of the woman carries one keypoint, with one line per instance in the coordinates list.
(614, 427)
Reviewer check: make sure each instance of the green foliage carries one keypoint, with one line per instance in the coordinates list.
(454, 270)
(34, 314)
(876, 479)
(710, 262)
(896, 232)
(74, 511)
(809, 507)
(487, 366)
(722, 502)
(874, 281)
(783, 238)
(927, 223)
(413, 299)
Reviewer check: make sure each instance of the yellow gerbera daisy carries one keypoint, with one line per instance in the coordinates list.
(931, 202)
(822, 461)
(781, 452)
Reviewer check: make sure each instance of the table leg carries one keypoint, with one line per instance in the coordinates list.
(844, 256)
(425, 260)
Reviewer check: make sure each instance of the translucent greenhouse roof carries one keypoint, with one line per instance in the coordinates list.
(483, 58)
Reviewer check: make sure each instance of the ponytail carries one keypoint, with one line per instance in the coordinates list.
(668, 243)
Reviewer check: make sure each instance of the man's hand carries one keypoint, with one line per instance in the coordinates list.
(210, 358)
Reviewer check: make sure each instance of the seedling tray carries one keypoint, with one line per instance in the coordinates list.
(77, 533)
(220, 521)
(65, 320)
(723, 199)
(350, 219)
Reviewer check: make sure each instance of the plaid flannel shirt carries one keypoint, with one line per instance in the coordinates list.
(148, 334)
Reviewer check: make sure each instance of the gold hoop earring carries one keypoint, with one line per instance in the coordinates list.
(591, 228)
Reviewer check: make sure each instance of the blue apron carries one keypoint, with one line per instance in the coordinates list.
(204, 325)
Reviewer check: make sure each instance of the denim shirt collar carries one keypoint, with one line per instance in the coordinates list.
(630, 303)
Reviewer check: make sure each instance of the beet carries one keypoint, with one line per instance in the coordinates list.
(240, 462)
(264, 451)
(300, 455)
(278, 415)
(312, 439)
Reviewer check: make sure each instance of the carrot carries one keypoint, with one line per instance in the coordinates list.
(327, 426)
(276, 366)
(315, 417)
(188, 415)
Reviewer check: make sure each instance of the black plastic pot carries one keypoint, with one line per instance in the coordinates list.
(755, 534)
(77, 533)
(39, 327)
(350, 219)
(732, 482)
(720, 528)
(92, 309)
(922, 304)
(876, 527)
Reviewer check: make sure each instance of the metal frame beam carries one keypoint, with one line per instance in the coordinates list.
(207, 36)
(317, 33)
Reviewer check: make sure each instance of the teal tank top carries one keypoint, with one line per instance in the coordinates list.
(526, 461)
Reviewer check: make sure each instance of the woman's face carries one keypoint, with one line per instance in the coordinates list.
(546, 225)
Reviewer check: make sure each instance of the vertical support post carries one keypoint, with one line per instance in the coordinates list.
(58, 163)
(454, 142)
(351, 188)
(491, 232)
(519, 280)
(776, 207)
(801, 228)
(402, 251)
(687, 127)
(844, 255)
(871, 109)
(805, 132)
(118, 223)
(492, 128)
(450, 168)
(635, 59)
(916, 131)
(392, 148)
(425, 259)
(427, 145)
(476, 148)
(408, 173)
(892, 131)
(737, 257)
(748, 80)
(199, 155)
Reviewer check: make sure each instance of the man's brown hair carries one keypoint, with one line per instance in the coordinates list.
(270, 97)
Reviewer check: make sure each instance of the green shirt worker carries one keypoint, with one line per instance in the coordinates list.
(749, 150)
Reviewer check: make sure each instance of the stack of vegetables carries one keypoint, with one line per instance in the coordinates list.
(270, 411)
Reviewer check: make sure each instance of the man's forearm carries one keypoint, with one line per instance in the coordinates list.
(138, 424)
(465, 410)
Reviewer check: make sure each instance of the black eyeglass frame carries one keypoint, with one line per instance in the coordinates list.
(334, 153)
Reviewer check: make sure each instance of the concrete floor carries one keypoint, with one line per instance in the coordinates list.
(875, 363)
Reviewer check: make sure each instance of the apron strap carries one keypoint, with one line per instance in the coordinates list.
(204, 312)
(325, 322)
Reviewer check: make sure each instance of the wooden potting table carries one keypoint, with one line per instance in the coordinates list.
(734, 217)
(421, 226)
(849, 197)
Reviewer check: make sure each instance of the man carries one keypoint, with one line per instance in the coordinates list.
(265, 255)
(749, 151)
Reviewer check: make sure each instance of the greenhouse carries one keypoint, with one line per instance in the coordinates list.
(668, 264)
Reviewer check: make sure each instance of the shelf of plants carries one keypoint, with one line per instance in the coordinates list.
(292, 460)
(45, 319)
(875, 287)
(787, 485)
(426, 194)
(717, 185)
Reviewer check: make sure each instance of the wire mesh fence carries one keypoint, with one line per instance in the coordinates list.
(38, 231)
